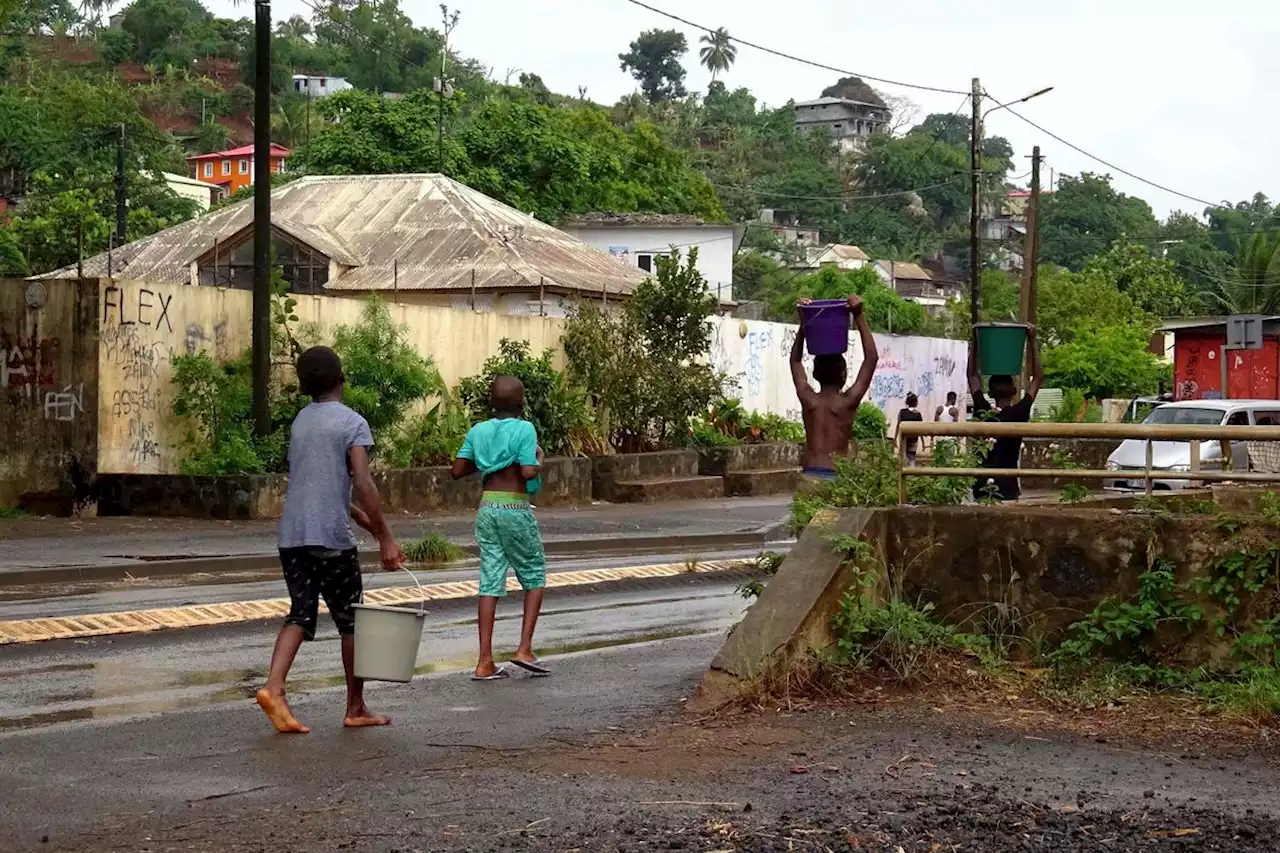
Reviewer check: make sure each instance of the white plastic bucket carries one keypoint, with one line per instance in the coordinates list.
(387, 640)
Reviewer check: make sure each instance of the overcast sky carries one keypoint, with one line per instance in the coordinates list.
(1180, 92)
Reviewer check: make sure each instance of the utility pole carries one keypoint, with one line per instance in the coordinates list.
(1031, 252)
(262, 219)
(443, 90)
(122, 209)
(975, 170)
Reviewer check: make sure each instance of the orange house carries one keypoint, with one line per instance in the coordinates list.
(233, 170)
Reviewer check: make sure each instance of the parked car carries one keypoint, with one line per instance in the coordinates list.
(1175, 456)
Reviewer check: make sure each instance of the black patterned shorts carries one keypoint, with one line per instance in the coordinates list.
(315, 573)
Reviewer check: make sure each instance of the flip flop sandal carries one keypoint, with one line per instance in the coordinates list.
(533, 667)
(498, 674)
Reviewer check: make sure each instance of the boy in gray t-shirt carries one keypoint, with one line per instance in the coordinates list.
(328, 456)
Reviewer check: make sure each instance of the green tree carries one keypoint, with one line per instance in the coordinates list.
(1085, 215)
(654, 61)
(165, 31)
(885, 310)
(366, 134)
(1231, 225)
(1186, 240)
(385, 374)
(718, 52)
(1151, 283)
(1252, 286)
(12, 261)
(1106, 361)
(854, 89)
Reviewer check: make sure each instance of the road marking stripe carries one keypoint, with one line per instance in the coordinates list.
(202, 615)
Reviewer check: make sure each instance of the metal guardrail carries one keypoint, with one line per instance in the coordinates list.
(1194, 434)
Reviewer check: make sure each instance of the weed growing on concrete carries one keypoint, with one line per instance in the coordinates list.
(12, 513)
(1269, 508)
(869, 478)
(432, 549)
(767, 563)
(1074, 493)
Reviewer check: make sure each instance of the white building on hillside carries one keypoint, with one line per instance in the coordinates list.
(202, 193)
(319, 87)
(640, 238)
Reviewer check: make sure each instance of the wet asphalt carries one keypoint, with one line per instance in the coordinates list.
(102, 727)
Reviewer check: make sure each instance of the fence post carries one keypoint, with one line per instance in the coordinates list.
(902, 465)
(1150, 461)
(1195, 454)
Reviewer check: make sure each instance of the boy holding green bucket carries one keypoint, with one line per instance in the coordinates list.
(328, 459)
(504, 449)
(1006, 452)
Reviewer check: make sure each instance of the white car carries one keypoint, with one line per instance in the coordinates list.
(1175, 456)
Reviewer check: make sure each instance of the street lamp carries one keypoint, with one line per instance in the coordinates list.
(975, 166)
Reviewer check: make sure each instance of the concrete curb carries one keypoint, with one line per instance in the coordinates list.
(270, 562)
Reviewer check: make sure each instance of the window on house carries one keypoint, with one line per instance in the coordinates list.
(244, 167)
(648, 261)
(226, 167)
(208, 169)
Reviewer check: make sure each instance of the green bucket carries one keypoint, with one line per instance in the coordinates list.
(1000, 348)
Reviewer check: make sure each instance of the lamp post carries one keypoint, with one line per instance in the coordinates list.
(975, 182)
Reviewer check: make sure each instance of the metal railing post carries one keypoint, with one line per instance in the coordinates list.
(1150, 460)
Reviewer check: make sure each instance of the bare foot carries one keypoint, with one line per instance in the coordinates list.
(485, 669)
(359, 718)
(279, 713)
(524, 657)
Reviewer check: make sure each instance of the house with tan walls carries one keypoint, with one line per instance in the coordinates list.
(417, 239)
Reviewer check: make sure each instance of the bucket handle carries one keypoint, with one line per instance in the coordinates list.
(422, 603)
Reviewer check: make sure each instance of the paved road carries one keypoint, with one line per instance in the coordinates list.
(52, 543)
(93, 729)
(77, 599)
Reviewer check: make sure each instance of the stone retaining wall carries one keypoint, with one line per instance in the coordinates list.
(773, 456)
(565, 482)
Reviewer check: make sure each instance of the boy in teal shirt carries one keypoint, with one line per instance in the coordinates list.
(505, 451)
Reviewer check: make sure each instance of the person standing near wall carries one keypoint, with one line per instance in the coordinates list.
(911, 413)
(1006, 452)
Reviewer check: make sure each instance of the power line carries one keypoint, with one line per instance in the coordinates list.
(1111, 165)
(867, 197)
(799, 59)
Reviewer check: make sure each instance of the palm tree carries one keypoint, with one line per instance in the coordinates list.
(719, 52)
(1254, 286)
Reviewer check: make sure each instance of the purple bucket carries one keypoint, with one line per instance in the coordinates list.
(826, 326)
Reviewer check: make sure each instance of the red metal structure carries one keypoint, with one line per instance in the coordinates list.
(1197, 362)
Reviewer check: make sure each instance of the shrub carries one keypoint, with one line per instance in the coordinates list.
(386, 376)
(644, 368)
(562, 416)
(869, 423)
(869, 478)
(433, 437)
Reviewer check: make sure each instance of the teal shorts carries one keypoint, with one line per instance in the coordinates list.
(508, 535)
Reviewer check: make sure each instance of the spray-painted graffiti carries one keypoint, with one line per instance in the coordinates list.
(142, 441)
(924, 384)
(143, 308)
(758, 344)
(137, 326)
(944, 365)
(198, 340)
(64, 405)
(27, 365)
(886, 387)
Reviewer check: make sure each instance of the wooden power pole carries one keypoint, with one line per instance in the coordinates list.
(975, 200)
(1031, 251)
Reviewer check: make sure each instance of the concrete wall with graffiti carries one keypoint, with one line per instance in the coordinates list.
(48, 387)
(143, 326)
(757, 355)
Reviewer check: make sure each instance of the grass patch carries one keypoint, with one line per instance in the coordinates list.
(12, 513)
(432, 549)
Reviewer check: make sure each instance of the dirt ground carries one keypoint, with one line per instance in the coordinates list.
(872, 771)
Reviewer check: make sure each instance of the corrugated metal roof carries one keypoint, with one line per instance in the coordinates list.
(604, 218)
(904, 269)
(415, 232)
